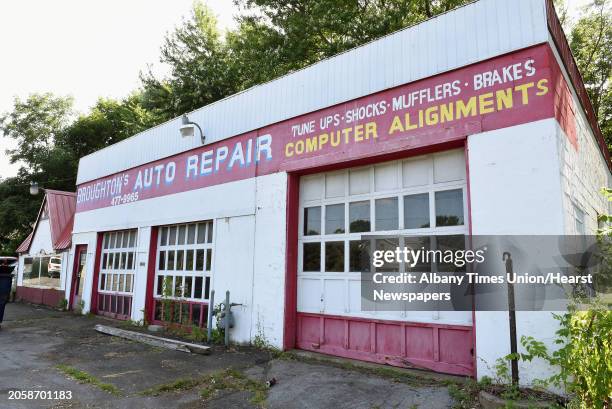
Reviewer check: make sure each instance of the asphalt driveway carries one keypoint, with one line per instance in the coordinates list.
(52, 351)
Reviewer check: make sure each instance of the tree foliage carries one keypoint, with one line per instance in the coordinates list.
(590, 38)
(50, 140)
(591, 43)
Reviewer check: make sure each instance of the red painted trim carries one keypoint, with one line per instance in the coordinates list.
(78, 249)
(202, 322)
(440, 353)
(93, 307)
(149, 305)
(565, 52)
(42, 296)
(292, 215)
(390, 322)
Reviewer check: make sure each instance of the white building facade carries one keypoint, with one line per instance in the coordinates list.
(473, 122)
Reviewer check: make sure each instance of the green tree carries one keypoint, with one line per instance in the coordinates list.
(50, 142)
(109, 121)
(273, 38)
(591, 43)
(199, 68)
(590, 38)
(34, 124)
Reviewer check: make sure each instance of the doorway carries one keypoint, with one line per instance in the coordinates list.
(78, 275)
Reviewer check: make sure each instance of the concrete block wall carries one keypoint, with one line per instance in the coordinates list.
(515, 189)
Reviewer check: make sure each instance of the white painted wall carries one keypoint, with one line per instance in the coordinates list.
(515, 189)
(248, 254)
(233, 270)
(42, 239)
(140, 276)
(268, 305)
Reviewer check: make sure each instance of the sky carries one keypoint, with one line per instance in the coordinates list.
(89, 48)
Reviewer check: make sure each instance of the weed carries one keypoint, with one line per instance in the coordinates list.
(62, 304)
(178, 385)
(234, 380)
(395, 374)
(84, 377)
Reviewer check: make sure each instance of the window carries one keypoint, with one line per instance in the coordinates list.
(416, 211)
(42, 271)
(184, 261)
(117, 270)
(413, 199)
(359, 217)
(334, 219)
(386, 214)
(579, 221)
(449, 208)
(312, 221)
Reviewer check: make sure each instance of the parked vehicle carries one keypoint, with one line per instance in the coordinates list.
(55, 267)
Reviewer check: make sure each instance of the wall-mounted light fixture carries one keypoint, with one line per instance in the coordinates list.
(34, 189)
(188, 129)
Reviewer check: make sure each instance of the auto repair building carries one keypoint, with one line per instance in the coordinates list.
(473, 122)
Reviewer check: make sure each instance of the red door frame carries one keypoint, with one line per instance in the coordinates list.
(78, 249)
(292, 216)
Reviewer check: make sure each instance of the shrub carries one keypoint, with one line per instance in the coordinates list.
(584, 359)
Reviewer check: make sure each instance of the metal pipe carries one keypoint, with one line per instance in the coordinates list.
(226, 318)
(211, 307)
(507, 257)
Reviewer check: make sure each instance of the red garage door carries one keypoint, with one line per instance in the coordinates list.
(421, 201)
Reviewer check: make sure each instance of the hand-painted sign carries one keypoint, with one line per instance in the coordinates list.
(509, 90)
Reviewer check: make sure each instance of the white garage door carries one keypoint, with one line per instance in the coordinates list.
(416, 197)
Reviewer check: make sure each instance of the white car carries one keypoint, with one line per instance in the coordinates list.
(55, 267)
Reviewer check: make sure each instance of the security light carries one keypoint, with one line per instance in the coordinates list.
(188, 128)
(34, 188)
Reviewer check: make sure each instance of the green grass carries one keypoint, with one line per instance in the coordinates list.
(234, 380)
(178, 385)
(84, 377)
(228, 379)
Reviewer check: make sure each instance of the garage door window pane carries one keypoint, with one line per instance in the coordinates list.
(191, 231)
(359, 217)
(164, 236)
(197, 289)
(416, 211)
(312, 221)
(199, 260)
(172, 236)
(386, 214)
(334, 219)
(334, 256)
(312, 257)
(181, 235)
(201, 232)
(449, 208)
(359, 255)
(388, 245)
